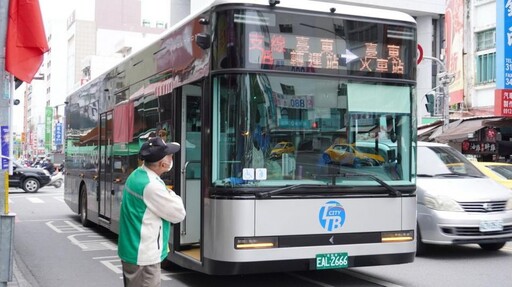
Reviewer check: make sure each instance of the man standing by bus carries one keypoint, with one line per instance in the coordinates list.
(147, 209)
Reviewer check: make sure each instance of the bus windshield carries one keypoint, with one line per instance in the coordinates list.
(277, 130)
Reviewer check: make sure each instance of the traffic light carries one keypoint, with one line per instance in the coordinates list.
(430, 105)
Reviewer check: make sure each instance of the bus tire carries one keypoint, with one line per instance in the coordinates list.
(83, 207)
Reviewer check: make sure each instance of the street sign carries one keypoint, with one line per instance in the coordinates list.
(420, 54)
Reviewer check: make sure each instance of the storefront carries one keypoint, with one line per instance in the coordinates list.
(487, 138)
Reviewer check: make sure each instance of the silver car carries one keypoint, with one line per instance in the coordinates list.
(457, 204)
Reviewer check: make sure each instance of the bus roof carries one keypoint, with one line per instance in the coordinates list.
(326, 5)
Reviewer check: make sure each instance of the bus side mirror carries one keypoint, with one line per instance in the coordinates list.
(203, 40)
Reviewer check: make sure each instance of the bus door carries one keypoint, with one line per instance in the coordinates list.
(191, 164)
(104, 192)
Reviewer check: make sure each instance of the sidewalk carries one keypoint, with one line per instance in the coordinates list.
(18, 274)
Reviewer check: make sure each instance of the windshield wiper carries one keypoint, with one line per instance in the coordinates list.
(267, 194)
(392, 191)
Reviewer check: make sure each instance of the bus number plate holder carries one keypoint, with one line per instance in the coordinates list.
(331, 260)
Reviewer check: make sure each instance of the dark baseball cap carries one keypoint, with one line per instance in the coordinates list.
(155, 149)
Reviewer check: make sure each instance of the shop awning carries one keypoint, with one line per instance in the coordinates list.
(461, 130)
(498, 122)
(426, 133)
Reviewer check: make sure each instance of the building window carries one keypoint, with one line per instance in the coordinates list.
(486, 40)
(486, 57)
(160, 24)
(146, 23)
(486, 68)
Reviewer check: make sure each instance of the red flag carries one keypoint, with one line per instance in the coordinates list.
(26, 40)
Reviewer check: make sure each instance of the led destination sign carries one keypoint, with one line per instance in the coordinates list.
(310, 53)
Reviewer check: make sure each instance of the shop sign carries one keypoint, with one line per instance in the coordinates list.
(479, 147)
(503, 102)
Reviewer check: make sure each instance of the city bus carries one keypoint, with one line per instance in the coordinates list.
(231, 82)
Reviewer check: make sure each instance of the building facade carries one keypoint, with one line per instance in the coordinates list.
(85, 40)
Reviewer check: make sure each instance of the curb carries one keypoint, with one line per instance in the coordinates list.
(21, 276)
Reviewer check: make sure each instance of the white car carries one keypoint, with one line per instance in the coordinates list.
(458, 204)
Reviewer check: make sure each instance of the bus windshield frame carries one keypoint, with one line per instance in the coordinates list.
(264, 136)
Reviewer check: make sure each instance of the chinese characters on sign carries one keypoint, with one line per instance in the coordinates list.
(476, 147)
(504, 44)
(306, 54)
(58, 134)
(372, 63)
(503, 102)
(48, 127)
(4, 133)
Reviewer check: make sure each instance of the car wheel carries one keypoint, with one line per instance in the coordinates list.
(83, 207)
(421, 248)
(492, 246)
(30, 185)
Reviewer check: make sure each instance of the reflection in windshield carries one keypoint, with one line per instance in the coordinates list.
(444, 161)
(278, 131)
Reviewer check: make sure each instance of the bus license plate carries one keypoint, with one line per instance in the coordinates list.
(491, 225)
(331, 260)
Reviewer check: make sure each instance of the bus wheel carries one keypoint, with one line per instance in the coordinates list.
(83, 207)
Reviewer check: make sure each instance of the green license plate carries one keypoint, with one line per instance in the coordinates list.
(331, 260)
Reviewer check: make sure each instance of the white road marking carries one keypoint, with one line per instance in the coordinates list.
(114, 263)
(94, 244)
(66, 226)
(166, 275)
(35, 200)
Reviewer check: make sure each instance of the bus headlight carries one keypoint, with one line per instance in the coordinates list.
(397, 236)
(255, 242)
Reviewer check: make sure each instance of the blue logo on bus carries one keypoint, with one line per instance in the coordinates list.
(331, 215)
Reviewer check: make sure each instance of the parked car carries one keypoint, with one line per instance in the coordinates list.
(282, 148)
(499, 171)
(348, 154)
(28, 178)
(458, 204)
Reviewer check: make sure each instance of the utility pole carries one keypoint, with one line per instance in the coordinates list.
(6, 218)
(444, 80)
